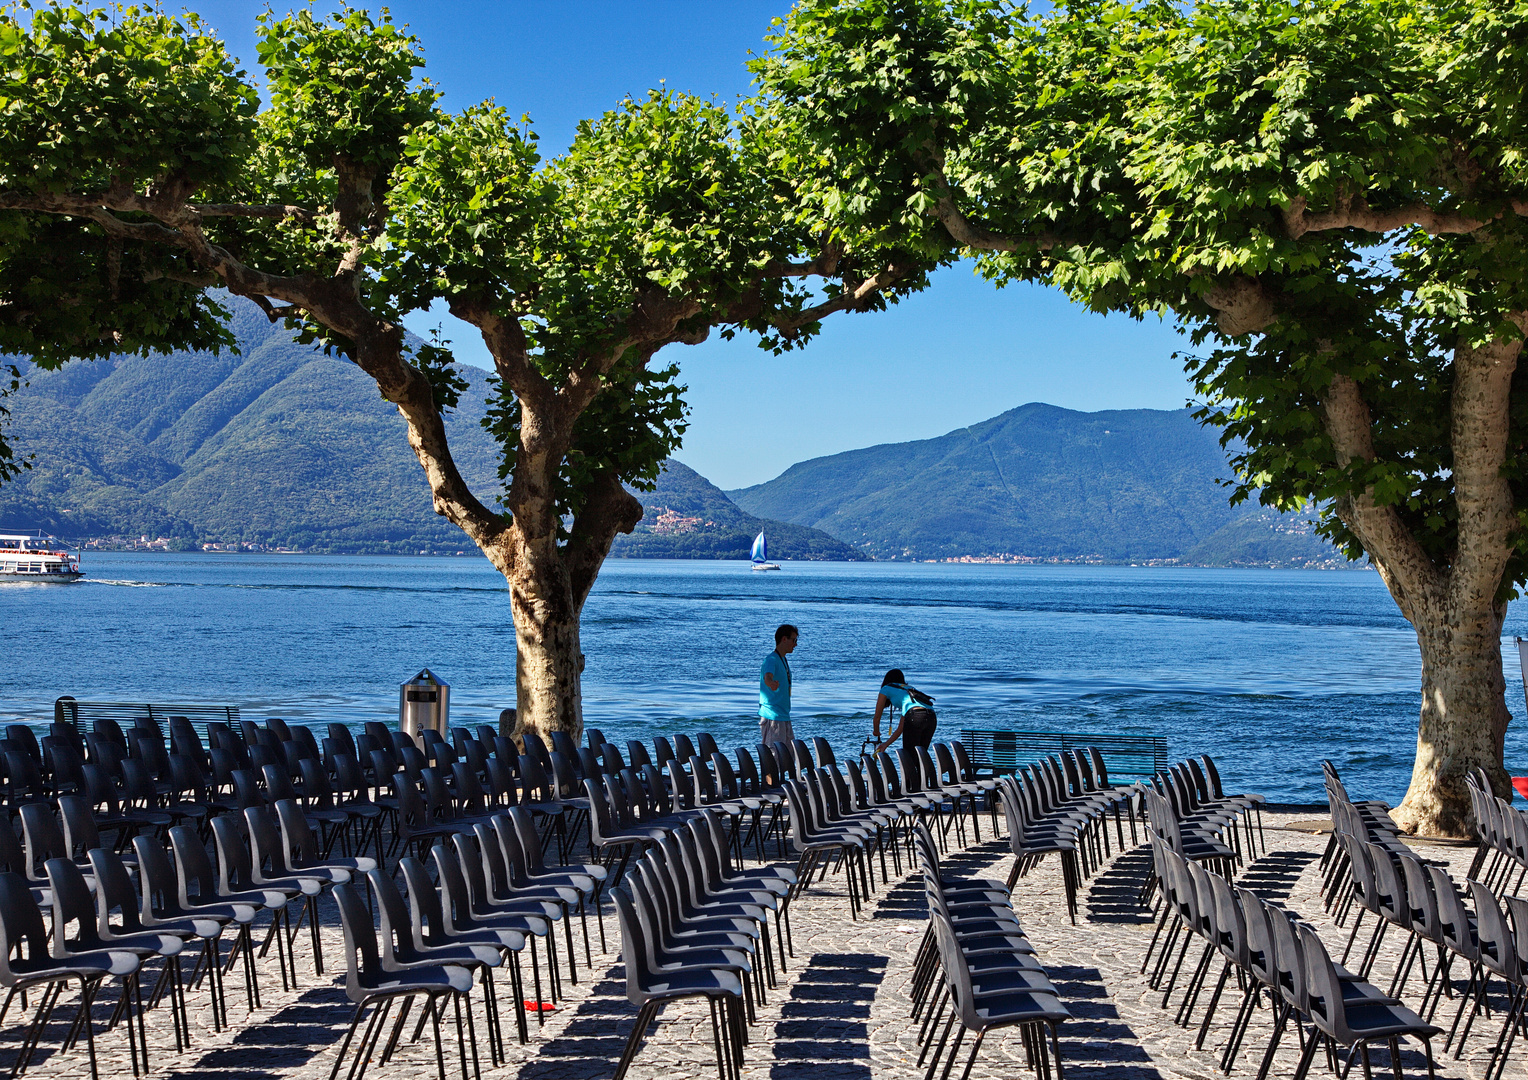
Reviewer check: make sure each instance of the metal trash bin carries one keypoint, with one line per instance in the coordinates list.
(424, 702)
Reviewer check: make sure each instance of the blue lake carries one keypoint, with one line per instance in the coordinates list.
(1268, 670)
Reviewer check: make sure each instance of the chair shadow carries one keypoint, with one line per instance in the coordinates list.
(1273, 877)
(1114, 896)
(823, 1026)
(1097, 1042)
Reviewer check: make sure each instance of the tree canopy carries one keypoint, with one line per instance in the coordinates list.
(1328, 194)
(142, 170)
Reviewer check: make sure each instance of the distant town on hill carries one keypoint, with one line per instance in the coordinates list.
(278, 447)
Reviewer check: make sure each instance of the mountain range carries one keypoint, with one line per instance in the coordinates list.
(278, 445)
(1042, 483)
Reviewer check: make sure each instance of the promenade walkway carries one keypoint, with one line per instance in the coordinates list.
(841, 1012)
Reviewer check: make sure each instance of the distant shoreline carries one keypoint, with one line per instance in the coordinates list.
(954, 560)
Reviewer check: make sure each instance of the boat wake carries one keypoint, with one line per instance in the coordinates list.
(128, 584)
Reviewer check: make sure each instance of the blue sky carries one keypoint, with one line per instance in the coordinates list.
(953, 356)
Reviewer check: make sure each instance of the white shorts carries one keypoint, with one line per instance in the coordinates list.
(773, 731)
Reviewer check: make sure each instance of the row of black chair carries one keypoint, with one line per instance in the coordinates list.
(1273, 952)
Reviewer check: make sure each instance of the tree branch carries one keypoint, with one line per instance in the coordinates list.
(853, 299)
(1407, 571)
(1479, 418)
(275, 211)
(608, 509)
(1354, 212)
(1243, 306)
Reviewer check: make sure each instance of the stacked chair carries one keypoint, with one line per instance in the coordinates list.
(1271, 952)
(986, 970)
(1062, 806)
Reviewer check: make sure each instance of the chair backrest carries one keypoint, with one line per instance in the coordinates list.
(1453, 920)
(768, 768)
(564, 776)
(1389, 885)
(296, 835)
(21, 926)
(633, 945)
(110, 730)
(42, 837)
(278, 783)
(425, 912)
(158, 884)
(80, 832)
(195, 880)
(363, 966)
(1261, 960)
(1498, 950)
(1422, 906)
(1288, 957)
(235, 868)
(1519, 909)
(72, 903)
(268, 853)
(114, 892)
(1323, 988)
(303, 736)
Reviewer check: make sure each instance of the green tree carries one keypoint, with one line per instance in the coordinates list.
(140, 171)
(1328, 194)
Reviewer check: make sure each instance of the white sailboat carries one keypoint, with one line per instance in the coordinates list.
(761, 554)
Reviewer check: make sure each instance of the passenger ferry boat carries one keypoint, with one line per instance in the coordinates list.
(28, 558)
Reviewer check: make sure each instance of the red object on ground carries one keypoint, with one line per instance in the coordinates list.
(1521, 783)
(547, 1006)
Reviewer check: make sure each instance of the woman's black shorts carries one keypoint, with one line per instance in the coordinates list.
(918, 727)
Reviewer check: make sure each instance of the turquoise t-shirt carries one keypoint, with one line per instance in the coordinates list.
(900, 699)
(775, 704)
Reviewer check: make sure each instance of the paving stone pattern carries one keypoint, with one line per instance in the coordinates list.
(840, 1013)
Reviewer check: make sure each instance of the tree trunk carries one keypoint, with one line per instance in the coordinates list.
(549, 661)
(1464, 719)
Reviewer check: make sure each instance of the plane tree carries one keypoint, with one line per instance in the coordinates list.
(141, 179)
(1329, 197)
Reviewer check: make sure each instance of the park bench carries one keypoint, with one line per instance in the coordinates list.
(1130, 757)
(83, 714)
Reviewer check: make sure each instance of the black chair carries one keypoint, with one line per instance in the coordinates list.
(73, 904)
(368, 983)
(405, 950)
(197, 894)
(1349, 1025)
(27, 963)
(651, 989)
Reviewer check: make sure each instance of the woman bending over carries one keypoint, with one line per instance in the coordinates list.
(917, 722)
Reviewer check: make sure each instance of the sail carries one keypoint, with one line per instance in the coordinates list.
(760, 548)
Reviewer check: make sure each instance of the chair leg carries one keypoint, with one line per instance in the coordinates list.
(634, 1040)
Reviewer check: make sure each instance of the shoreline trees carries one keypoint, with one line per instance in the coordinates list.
(139, 172)
(1328, 195)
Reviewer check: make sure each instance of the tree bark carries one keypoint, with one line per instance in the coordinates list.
(1464, 714)
(1464, 719)
(549, 657)
(1455, 608)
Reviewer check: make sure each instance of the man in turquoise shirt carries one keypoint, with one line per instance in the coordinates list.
(775, 689)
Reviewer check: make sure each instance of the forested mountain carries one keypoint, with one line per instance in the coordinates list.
(1042, 482)
(283, 446)
(280, 445)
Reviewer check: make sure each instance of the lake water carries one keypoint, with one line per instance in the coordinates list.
(1268, 670)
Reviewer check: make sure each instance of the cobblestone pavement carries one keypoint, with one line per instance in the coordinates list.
(840, 1012)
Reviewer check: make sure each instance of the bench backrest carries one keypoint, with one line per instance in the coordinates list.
(83, 714)
(1124, 755)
